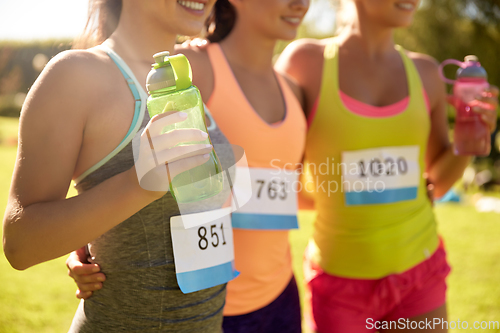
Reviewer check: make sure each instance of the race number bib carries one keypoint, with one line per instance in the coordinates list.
(273, 202)
(204, 255)
(380, 175)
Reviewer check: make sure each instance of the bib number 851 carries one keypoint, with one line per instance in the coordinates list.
(202, 232)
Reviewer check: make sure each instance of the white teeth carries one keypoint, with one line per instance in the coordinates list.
(191, 4)
(294, 20)
(406, 5)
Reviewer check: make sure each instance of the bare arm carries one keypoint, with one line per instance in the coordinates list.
(443, 167)
(40, 224)
(302, 62)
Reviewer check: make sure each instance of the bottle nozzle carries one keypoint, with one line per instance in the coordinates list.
(471, 58)
(160, 56)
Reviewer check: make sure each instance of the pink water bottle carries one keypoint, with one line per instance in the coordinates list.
(471, 134)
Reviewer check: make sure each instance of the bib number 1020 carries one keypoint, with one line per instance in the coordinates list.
(388, 167)
(203, 243)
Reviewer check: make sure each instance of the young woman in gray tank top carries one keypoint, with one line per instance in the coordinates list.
(77, 124)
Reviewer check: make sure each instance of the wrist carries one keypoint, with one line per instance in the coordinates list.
(138, 190)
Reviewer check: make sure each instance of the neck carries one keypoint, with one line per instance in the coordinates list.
(369, 37)
(248, 49)
(130, 42)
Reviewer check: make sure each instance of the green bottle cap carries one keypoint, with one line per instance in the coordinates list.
(169, 72)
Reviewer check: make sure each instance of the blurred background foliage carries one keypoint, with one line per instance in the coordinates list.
(442, 28)
(455, 28)
(20, 65)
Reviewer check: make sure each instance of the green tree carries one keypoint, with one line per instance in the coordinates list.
(455, 28)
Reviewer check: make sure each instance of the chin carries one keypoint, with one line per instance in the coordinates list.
(400, 23)
(191, 30)
(405, 24)
(286, 35)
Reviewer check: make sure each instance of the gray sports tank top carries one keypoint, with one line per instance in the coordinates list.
(141, 292)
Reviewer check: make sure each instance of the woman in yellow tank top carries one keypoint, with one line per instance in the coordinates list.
(259, 110)
(377, 123)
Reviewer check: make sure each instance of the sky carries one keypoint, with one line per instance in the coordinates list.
(46, 19)
(41, 19)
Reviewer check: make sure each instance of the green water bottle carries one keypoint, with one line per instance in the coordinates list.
(169, 84)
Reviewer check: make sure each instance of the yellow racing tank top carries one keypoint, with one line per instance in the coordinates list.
(374, 217)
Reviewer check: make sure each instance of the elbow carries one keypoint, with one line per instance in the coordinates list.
(14, 242)
(14, 255)
(440, 192)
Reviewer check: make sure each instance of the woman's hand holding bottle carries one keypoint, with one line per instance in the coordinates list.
(159, 157)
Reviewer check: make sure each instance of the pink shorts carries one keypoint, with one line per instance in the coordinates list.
(337, 304)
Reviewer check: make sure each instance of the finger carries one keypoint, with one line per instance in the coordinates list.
(487, 94)
(197, 42)
(451, 99)
(493, 90)
(488, 102)
(480, 106)
(162, 120)
(152, 158)
(201, 43)
(485, 101)
(185, 164)
(83, 254)
(178, 136)
(146, 157)
(83, 294)
(177, 153)
(89, 286)
(160, 177)
(92, 278)
(490, 122)
(488, 116)
(479, 109)
(78, 268)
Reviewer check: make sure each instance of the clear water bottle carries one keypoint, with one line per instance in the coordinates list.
(471, 134)
(169, 84)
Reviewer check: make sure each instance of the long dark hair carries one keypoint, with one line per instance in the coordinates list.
(102, 20)
(220, 23)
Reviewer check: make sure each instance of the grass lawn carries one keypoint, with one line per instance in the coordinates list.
(41, 299)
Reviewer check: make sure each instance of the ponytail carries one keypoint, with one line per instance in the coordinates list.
(220, 23)
(103, 18)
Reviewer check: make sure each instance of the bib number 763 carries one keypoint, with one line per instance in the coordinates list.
(273, 189)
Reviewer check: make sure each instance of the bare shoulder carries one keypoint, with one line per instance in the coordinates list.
(302, 61)
(426, 64)
(428, 68)
(196, 53)
(307, 45)
(301, 52)
(73, 75)
(77, 67)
